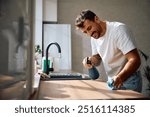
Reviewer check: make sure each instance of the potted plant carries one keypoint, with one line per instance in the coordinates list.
(38, 57)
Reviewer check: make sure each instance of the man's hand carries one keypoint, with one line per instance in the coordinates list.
(117, 82)
(86, 63)
(95, 60)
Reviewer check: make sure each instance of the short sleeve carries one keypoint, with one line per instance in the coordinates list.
(124, 39)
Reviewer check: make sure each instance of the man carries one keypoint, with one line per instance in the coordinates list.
(112, 43)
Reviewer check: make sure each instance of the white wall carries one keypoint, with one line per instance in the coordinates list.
(50, 10)
(38, 22)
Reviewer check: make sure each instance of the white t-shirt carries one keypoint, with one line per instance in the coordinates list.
(117, 41)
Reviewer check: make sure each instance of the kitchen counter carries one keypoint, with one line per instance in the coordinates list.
(82, 89)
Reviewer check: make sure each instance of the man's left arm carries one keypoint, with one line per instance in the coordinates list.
(133, 63)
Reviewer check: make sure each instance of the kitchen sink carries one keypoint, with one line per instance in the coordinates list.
(66, 76)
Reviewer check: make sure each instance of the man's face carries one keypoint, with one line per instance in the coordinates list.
(92, 28)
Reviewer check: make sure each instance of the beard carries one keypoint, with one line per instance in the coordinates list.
(95, 35)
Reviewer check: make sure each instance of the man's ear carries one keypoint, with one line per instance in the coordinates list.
(96, 19)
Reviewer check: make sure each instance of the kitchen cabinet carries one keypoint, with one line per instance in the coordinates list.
(16, 49)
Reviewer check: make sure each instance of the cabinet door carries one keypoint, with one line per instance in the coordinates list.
(16, 49)
(60, 33)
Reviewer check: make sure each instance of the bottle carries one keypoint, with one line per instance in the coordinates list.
(44, 64)
(93, 73)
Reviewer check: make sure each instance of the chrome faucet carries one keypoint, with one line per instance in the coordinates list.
(59, 51)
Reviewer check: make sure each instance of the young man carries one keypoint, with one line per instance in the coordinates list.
(113, 44)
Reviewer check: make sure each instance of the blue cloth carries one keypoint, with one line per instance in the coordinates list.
(110, 85)
(134, 82)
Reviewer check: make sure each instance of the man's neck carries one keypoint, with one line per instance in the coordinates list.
(103, 25)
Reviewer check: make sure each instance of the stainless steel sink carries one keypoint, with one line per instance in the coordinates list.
(67, 76)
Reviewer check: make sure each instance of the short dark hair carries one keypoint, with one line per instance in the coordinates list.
(85, 14)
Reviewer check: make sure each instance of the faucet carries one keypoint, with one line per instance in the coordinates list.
(59, 51)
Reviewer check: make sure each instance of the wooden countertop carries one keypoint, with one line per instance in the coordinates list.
(82, 89)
